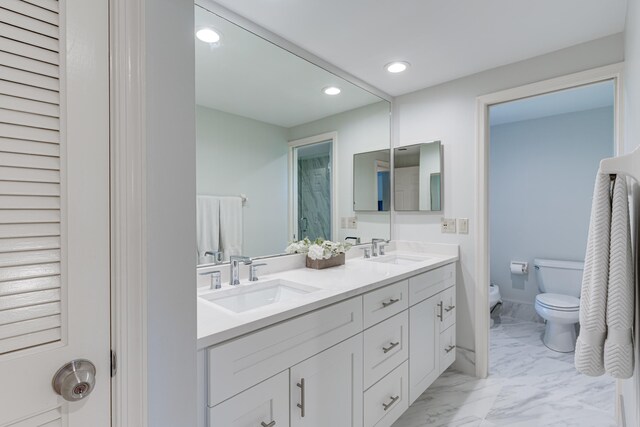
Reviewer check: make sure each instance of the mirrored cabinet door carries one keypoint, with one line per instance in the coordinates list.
(417, 173)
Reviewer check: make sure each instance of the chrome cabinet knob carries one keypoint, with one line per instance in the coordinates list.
(75, 380)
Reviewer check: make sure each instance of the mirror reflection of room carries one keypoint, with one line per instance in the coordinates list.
(275, 149)
(418, 177)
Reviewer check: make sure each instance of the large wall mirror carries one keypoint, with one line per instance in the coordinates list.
(275, 146)
(418, 177)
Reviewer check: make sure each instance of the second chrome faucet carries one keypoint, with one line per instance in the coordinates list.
(234, 265)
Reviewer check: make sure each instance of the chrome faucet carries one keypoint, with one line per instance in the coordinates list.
(234, 264)
(377, 246)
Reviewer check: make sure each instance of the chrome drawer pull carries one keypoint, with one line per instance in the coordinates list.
(448, 309)
(386, 406)
(271, 424)
(448, 349)
(440, 307)
(391, 302)
(301, 404)
(392, 345)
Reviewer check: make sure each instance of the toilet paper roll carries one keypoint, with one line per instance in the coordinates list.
(518, 267)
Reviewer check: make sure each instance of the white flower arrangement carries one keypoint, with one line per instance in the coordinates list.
(318, 249)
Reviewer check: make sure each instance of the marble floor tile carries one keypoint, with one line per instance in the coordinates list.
(528, 386)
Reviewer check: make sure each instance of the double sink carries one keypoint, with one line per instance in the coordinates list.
(241, 299)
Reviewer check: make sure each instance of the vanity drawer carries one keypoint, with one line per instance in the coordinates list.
(386, 346)
(430, 283)
(385, 302)
(267, 402)
(448, 300)
(447, 348)
(239, 364)
(387, 399)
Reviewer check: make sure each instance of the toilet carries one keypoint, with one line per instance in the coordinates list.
(559, 301)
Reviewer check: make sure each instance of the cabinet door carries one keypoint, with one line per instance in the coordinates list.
(424, 330)
(266, 404)
(326, 390)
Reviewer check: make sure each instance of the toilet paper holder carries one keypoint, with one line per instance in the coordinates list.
(519, 267)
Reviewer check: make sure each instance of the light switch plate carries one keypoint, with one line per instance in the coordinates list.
(343, 222)
(353, 222)
(463, 225)
(448, 225)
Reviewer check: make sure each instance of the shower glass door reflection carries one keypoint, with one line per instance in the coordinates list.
(312, 190)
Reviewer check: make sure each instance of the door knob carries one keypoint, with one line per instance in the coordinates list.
(75, 380)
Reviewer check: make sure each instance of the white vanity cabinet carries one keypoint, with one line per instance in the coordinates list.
(326, 390)
(357, 363)
(264, 405)
(424, 331)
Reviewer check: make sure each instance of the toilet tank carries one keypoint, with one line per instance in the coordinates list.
(559, 277)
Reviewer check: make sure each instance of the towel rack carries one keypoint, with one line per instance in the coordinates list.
(628, 164)
(243, 197)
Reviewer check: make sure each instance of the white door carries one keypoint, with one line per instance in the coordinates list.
(424, 330)
(54, 208)
(326, 390)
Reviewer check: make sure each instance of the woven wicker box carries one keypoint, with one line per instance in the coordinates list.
(319, 264)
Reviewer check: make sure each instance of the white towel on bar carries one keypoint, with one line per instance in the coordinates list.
(618, 347)
(207, 224)
(589, 356)
(607, 299)
(231, 224)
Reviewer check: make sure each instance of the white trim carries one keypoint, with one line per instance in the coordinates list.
(610, 72)
(128, 213)
(293, 209)
(271, 37)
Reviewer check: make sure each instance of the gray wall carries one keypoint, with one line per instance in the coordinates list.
(541, 182)
(171, 214)
(237, 155)
(631, 387)
(447, 112)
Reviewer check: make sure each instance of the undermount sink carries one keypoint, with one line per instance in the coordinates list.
(251, 296)
(398, 259)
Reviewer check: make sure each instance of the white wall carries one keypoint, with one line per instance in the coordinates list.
(170, 211)
(447, 112)
(360, 130)
(237, 155)
(631, 388)
(539, 206)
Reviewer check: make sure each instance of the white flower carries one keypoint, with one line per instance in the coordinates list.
(316, 252)
(292, 248)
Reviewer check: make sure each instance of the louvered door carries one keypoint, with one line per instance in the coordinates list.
(54, 207)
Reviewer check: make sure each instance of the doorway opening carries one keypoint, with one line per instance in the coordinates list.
(539, 148)
(312, 162)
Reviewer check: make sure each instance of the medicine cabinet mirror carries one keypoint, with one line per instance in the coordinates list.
(417, 175)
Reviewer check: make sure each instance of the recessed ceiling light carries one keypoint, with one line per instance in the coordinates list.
(396, 67)
(331, 90)
(208, 35)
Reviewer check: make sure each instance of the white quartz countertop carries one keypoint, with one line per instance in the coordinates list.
(217, 324)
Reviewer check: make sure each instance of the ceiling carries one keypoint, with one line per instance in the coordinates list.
(442, 39)
(246, 75)
(582, 98)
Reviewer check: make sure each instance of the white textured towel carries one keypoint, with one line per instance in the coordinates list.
(589, 357)
(207, 224)
(231, 224)
(606, 302)
(618, 348)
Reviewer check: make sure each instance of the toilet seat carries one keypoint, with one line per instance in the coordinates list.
(558, 302)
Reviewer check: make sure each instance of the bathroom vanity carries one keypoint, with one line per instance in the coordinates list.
(349, 346)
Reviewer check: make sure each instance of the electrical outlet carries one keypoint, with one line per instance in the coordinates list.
(463, 225)
(448, 225)
(343, 222)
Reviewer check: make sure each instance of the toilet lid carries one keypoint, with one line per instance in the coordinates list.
(558, 301)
